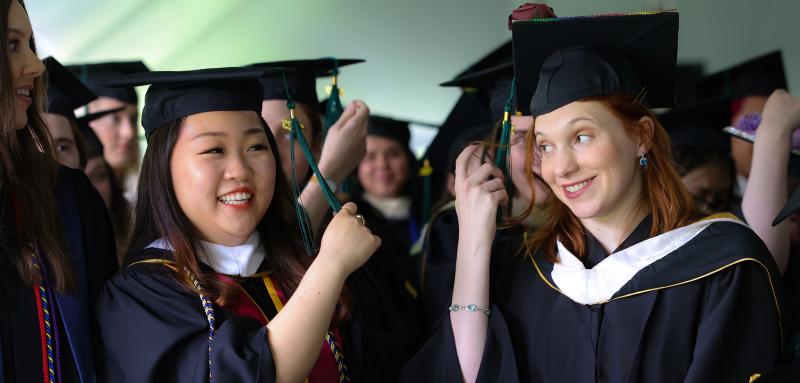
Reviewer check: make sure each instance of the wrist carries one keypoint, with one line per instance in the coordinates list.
(329, 173)
(777, 130)
(327, 263)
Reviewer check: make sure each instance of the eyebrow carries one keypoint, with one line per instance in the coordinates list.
(17, 31)
(248, 132)
(571, 122)
(64, 140)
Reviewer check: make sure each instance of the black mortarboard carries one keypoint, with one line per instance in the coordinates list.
(389, 128)
(65, 92)
(92, 144)
(494, 83)
(687, 75)
(93, 76)
(699, 125)
(301, 78)
(174, 95)
(497, 56)
(561, 60)
(756, 77)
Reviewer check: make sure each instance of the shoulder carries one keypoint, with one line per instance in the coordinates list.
(148, 271)
(732, 239)
(74, 182)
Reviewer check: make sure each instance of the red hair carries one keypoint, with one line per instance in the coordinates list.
(663, 193)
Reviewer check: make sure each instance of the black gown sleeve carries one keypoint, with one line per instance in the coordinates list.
(437, 360)
(377, 341)
(739, 332)
(154, 330)
(97, 230)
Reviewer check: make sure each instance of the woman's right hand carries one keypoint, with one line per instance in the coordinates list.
(480, 189)
(781, 112)
(345, 143)
(346, 241)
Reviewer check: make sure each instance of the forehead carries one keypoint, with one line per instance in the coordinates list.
(375, 142)
(18, 18)
(221, 121)
(572, 113)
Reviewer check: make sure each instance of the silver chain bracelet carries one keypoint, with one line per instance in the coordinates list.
(470, 308)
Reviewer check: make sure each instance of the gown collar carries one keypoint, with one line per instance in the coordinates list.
(606, 275)
(240, 260)
(397, 208)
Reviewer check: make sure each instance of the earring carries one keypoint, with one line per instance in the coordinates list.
(643, 161)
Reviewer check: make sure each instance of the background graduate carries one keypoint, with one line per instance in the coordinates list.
(118, 131)
(437, 261)
(217, 284)
(623, 282)
(337, 148)
(56, 244)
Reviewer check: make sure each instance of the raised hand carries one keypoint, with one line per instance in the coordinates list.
(346, 143)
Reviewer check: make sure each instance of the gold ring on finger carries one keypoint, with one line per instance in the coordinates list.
(360, 219)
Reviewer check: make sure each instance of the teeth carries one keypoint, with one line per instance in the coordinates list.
(576, 187)
(235, 198)
(23, 92)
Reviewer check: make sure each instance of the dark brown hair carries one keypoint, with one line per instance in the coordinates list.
(158, 215)
(663, 193)
(29, 171)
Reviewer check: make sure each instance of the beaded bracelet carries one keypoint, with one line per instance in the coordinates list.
(473, 308)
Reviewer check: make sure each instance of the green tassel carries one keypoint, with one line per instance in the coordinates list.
(297, 134)
(501, 159)
(334, 109)
(300, 212)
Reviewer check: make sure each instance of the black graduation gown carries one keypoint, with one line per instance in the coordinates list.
(707, 312)
(437, 263)
(155, 330)
(90, 246)
(391, 264)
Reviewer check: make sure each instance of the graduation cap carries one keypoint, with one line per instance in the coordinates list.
(498, 56)
(94, 74)
(174, 95)
(699, 125)
(494, 83)
(300, 78)
(687, 76)
(91, 144)
(756, 77)
(389, 128)
(65, 92)
(561, 60)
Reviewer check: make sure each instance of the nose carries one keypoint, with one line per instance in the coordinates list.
(238, 168)
(381, 161)
(33, 66)
(564, 163)
(127, 130)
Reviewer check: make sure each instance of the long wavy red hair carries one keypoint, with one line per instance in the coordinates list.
(663, 193)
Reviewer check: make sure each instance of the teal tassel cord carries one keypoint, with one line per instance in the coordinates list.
(334, 109)
(501, 159)
(297, 134)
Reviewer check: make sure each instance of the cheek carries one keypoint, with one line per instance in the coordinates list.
(193, 181)
(400, 166)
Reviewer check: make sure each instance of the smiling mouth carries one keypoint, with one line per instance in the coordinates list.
(235, 199)
(574, 190)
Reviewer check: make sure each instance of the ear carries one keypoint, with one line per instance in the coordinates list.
(646, 128)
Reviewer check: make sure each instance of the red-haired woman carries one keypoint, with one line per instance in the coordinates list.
(625, 282)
